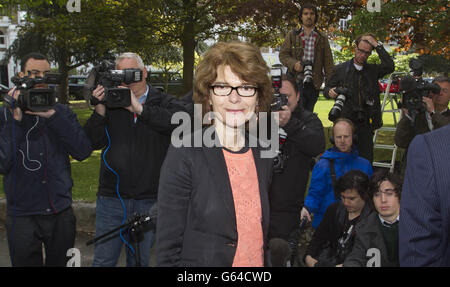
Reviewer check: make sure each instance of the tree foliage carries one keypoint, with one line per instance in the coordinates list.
(418, 25)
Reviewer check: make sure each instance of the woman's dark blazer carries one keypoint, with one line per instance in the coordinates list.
(196, 216)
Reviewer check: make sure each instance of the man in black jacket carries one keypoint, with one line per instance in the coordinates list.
(34, 159)
(362, 103)
(334, 237)
(301, 139)
(377, 237)
(134, 142)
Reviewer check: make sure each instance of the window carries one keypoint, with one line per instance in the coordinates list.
(2, 38)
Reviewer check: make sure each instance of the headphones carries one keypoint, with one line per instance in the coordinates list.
(354, 135)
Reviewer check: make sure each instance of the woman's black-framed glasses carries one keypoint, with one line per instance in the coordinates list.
(225, 90)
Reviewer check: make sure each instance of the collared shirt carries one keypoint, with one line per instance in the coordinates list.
(387, 223)
(141, 100)
(358, 67)
(308, 44)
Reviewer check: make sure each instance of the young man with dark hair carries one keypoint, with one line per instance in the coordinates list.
(307, 45)
(333, 239)
(376, 243)
(34, 158)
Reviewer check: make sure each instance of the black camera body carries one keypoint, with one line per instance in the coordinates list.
(35, 100)
(279, 161)
(279, 99)
(307, 72)
(106, 75)
(336, 110)
(414, 88)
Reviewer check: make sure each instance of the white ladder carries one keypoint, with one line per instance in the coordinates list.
(393, 147)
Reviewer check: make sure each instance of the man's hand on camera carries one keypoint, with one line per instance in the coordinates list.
(135, 106)
(332, 93)
(99, 94)
(298, 66)
(284, 116)
(17, 114)
(305, 213)
(429, 105)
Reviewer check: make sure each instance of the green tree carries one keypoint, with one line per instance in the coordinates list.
(68, 39)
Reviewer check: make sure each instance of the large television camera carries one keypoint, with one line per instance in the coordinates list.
(106, 75)
(414, 88)
(31, 98)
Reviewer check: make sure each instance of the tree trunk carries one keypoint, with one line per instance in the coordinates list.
(188, 42)
(63, 69)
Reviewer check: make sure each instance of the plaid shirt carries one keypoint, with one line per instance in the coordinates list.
(308, 44)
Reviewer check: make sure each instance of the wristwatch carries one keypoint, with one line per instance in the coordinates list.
(380, 44)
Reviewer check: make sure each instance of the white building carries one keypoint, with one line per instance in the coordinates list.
(8, 33)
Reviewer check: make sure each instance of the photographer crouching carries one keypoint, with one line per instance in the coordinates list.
(424, 108)
(301, 139)
(37, 135)
(354, 85)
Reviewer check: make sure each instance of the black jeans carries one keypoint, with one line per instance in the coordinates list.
(26, 234)
(308, 96)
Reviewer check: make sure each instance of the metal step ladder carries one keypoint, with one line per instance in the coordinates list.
(388, 97)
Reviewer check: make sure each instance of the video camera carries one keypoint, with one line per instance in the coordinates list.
(35, 100)
(414, 88)
(307, 72)
(336, 110)
(106, 75)
(279, 100)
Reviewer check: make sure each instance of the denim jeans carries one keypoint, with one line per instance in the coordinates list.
(109, 215)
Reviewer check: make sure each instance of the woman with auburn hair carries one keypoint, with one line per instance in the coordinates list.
(213, 201)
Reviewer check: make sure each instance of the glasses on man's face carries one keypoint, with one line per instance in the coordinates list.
(225, 90)
(367, 53)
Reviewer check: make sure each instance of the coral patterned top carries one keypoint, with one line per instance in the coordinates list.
(247, 203)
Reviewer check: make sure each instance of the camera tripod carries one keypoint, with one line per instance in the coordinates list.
(136, 227)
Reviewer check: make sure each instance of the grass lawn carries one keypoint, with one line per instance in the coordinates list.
(85, 173)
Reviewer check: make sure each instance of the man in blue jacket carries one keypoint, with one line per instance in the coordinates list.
(343, 156)
(34, 159)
